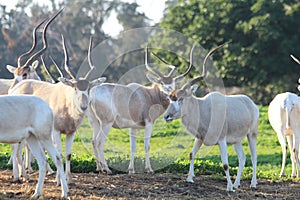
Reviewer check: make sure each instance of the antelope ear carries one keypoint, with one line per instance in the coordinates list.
(11, 69)
(98, 81)
(152, 78)
(194, 88)
(34, 65)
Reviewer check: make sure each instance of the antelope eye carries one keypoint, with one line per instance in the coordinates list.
(24, 76)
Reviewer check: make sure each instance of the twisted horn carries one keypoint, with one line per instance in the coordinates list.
(57, 67)
(33, 43)
(48, 71)
(90, 59)
(295, 59)
(154, 71)
(40, 52)
(190, 67)
(66, 65)
(173, 68)
(204, 72)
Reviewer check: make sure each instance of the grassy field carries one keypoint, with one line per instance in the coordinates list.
(170, 147)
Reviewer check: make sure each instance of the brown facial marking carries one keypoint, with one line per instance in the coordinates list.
(173, 95)
(22, 70)
(82, 85)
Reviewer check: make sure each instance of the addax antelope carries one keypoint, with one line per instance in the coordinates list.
(131, 106)
(217, 119)
(69, 101)
(30, 118)
(28, 69)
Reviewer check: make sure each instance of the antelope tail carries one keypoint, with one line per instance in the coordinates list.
(288, 130)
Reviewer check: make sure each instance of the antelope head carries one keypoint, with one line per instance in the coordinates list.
(28, 69)
(168, 82)
(80, 85)
(178, 96)
(297, 61)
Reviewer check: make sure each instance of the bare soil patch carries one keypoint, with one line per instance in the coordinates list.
(147, 186)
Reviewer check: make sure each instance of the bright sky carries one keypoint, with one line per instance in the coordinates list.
(153, 9)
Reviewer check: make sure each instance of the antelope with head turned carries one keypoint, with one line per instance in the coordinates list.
(69, 99)
(217, 119)
(28, 69)
(131, 106)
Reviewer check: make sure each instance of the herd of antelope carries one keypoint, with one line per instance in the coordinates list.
(42, 111)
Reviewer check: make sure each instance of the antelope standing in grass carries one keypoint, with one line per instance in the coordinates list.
(217, 119)
(30, 118)
(284, 116)
(28, 69)
(69, 101)
(131, 106)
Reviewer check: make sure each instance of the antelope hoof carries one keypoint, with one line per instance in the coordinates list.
(19, 181)
(35, 196)
(189, 180)
(26, 177)
(104, 171)
(282, 176)
(149, 171)
(235, 187)
(232, 192)
(253, 188)
(107, 171)
(72, 184)
(131, 171)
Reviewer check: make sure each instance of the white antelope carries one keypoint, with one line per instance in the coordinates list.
(30, 118)
(69, 101)
(217, 119)
(131, 106)
(28, 69)
(284, 116)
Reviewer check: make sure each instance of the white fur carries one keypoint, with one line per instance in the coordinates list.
(33, 121)
(6, 84)
(69, 106)
(123, 106)
(284, 117)
(219, 119)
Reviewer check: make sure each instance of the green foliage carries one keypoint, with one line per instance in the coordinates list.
(78, 21)
(262, 34)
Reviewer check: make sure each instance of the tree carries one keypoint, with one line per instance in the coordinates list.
(263, 35)
(78, 21)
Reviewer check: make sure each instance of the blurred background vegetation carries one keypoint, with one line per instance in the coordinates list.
(263, 34)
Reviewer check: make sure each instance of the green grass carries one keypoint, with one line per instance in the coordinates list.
(169, 151)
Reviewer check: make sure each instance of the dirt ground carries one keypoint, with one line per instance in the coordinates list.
(147, 186)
